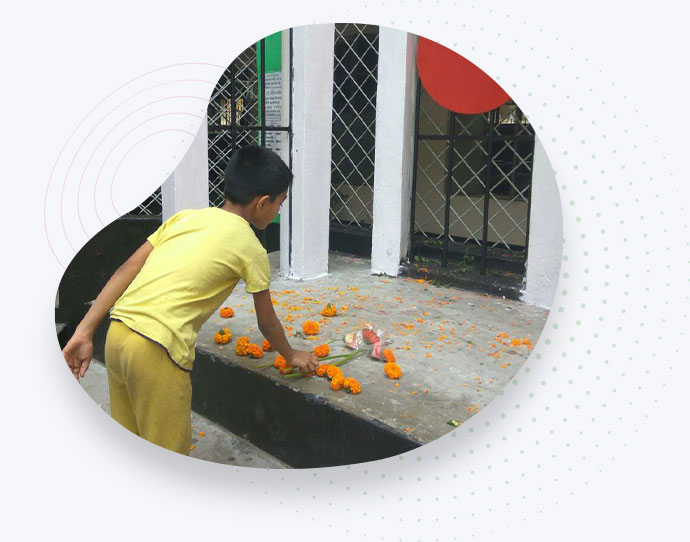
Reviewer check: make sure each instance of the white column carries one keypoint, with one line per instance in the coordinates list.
(285, 90)
(395, 103)
(187, 186)
(311, 151)
(545, 233)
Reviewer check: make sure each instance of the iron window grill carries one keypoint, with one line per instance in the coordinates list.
(238, 116)
(355, 79)
(232, 111)
(472, 182)
(151, 206)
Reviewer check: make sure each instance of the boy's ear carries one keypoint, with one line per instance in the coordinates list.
(263, 201)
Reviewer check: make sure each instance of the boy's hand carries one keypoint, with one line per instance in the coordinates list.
(305, 361)
(77, 353)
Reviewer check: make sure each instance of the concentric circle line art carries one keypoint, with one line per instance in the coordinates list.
(62, 150)
(88, 162)
(115, 146)
(98, 124)
(112, 181)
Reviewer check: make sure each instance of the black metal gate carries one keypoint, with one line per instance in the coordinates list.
(238, 116)
(471, 189)
(353, 141)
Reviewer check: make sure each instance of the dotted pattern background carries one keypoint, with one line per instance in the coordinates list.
(559, 453)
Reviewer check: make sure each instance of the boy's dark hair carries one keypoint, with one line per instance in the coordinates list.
(255, 171)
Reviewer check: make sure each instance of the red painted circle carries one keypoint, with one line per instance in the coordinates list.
(454, 82)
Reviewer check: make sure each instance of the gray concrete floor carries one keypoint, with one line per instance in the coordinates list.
(211, 441)
(444, 339)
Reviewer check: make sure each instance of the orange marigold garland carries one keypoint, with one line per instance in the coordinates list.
(332, 371)
(321, 369)
(280, 362)
(253, 351)
(392, 370)
(388, 355)
(329, 310)
(266, 346)
(227, 312)
(310, 328)
(223, 336)
(337, 382)
(242, 346)
(353, 386)
(322, 351)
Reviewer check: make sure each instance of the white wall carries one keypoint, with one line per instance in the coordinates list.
(395, 103)
(187, 186)
(546, 233)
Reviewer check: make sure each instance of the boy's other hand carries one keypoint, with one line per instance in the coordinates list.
(305, 361)
(77, 353)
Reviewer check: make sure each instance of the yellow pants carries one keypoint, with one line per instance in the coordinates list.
(149, 394)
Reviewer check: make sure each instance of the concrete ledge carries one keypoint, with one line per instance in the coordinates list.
(444, 339)
(496, 286)
(304, 430)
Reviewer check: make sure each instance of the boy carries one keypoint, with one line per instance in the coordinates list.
(170, 286)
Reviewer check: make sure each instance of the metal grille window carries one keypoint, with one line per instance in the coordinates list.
(151, 206)
(246, 109)
(237, 92)
(472, 184)
(354, 119)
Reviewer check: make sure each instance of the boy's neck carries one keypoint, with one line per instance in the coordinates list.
(236, 209)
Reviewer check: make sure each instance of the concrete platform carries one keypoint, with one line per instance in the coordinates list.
(444, 339)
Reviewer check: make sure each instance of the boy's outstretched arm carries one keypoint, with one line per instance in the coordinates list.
(79, 348)
(272, 329)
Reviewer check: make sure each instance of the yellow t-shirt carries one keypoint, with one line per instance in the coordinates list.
(198, 257)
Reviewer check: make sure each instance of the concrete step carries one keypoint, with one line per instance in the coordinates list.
(211, 441)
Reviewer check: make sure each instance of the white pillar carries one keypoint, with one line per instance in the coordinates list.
(545, 233)
(187, 186)
(286, 68)
(308, 223)
(395, 104)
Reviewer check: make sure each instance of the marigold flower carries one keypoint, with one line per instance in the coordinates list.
(355, 387)
(254, 351)
(392, 370)
(388, 355)
(227, 312)
(223, 336)
(515, 342)
(321, 369)
(337, 382)
(329, 310)
(310, 328)
(242, 346)
(322, 351)
(280, 362)
(266, 346)
(332, 371)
